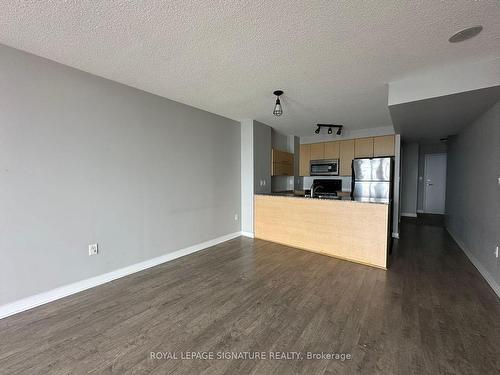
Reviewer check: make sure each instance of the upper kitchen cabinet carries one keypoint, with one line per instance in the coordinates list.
(284, 157)
(304, 160)
(317, 151)
(279, 169)
(363, 148)
(345, 151)
(282, 163)
(332, 150)
(346, 155)
(383, 146)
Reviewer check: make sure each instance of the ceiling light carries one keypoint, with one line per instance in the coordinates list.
(330, 128)
(278, 111)
(465, 34)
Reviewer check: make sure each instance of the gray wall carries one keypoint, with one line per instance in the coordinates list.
(473, 191)
(255, 168)
(409, 178)
(396, 207)
(247, 176)
(262, 157)
(84, 160)
(296, 163)
(431, 148)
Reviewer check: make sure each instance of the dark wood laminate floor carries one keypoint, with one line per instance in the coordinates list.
(431, 313)
(425, 219)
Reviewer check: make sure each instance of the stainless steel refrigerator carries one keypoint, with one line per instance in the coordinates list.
(372, 179)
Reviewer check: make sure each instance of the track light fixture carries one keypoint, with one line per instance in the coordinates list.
(330, 130)
(278, 110)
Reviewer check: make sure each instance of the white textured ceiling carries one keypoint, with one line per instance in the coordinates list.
(333, 59)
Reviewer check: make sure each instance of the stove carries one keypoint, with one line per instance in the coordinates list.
(326, 188)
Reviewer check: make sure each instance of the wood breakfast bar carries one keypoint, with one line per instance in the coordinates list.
(352, 230)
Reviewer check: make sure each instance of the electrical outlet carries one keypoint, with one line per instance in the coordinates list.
(93, 249)
(235, 217)
(496, 252)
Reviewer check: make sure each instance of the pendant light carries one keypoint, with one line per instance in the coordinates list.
(278, 110)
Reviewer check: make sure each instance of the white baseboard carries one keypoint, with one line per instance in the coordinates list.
(66, 290)
(247, 234)
(408, 214)
(486, 275)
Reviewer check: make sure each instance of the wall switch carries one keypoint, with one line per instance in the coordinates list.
(498, 181)
(235, 217)
(93, 249)
(496, 252)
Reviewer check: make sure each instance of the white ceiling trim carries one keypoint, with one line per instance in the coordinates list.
(452, 79)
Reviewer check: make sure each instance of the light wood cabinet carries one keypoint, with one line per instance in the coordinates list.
(332, 150)
(346, 156)
(383, 146)
(363, 148)
(304, 159)
(345, 151)
(279, 156)
(281, 163)
(345, 229)
(280, 169)
(317, 151)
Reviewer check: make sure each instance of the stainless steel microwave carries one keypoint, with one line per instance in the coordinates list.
(324, 167)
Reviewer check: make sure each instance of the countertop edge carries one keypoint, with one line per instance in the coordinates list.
(347, 199)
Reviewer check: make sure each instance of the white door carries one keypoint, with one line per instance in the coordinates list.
(435, 183)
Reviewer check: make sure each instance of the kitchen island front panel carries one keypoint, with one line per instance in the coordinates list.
(349, 230)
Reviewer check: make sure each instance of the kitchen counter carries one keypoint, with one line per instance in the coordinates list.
(292, 194)
(353, 230)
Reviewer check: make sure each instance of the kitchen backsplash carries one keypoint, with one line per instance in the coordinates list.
(282, 183)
